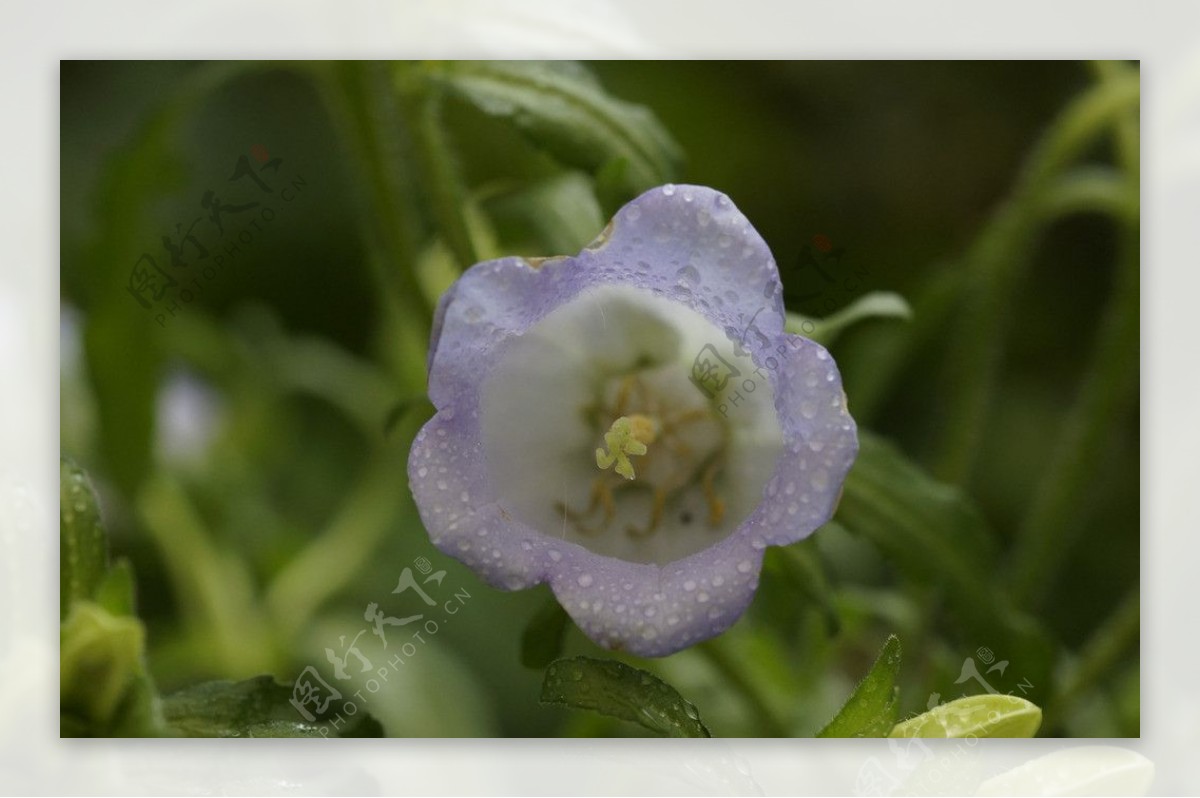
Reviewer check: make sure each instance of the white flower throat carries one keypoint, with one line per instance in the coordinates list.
(678, 442)
(594, 432)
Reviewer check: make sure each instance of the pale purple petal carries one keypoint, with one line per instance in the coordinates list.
(691, 245)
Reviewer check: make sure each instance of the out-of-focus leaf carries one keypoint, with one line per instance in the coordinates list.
(104, 690)
(558, 215)
(115, 593)
(542, 640)
(936, 535)
(975, 716)
(794, 582)
(402, 409)
(564, 110)
(927, 527)
(83, 558)
(611, 180)
(122, 340)
(214, 588)
(258, 707)
(875, 305)
(871, 709)
(616, 689)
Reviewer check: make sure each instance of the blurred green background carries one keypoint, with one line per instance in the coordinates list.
(250, 451)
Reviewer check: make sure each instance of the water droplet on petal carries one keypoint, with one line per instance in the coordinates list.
(688, 275)
(668, 190)
(584, 580)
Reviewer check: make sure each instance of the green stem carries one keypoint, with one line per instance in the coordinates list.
(996, 263)
(339, 554)
(422, 102)
(1099, 189)
(1054, 523)
(1104, 649)
(761, 708)
(363, 99)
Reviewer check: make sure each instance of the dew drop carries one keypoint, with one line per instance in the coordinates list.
(689, 585)
(745, 566)
(688, 275)
(554, 555)
(422, 471)
(668, 190)
(584, 580)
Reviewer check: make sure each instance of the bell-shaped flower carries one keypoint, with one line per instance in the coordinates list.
(631, 425)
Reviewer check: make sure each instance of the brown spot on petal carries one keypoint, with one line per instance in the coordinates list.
(599, 241)
(537, 263)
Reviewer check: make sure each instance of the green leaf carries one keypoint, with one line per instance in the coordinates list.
(936, 536)
(613, 688)
(793, 582)
(929, 529)
(116, 591)
(871, 709)
(83, 557)
(104, 690)
(875, 305)
(561, 108)
(975, 716)
(542, 640)
(123, 344)
(554, 216)
(258, 707)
